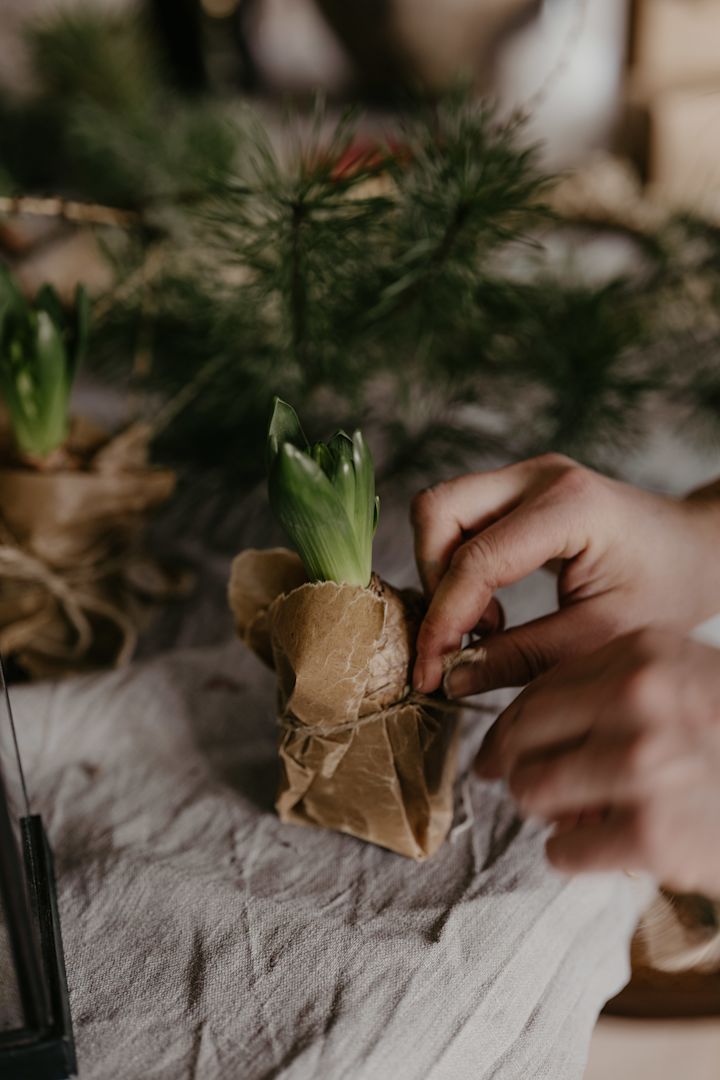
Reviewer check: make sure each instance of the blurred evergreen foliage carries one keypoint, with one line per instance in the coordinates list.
(103, 122)
(403, 290)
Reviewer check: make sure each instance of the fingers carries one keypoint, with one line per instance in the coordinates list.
(618, 687)
(593, 845)
(442, 515)
(492, 620)
(517, 656)
(514, 657)
(560, 706)
(577, 778)
(507, 551)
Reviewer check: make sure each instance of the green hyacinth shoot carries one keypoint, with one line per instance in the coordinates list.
(41, 347)
(324, 497)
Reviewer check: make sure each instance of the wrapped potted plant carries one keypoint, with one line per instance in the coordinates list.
(359, 751)
(74, 582)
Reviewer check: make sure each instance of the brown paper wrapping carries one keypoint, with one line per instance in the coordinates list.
(358, 752)
(74, 583)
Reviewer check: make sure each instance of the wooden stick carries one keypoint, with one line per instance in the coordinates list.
(68, 210)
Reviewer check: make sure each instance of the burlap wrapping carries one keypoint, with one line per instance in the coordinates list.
(359, 753)
(74, 583)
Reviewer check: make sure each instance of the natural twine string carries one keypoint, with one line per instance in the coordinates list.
(289, 722)
(69, 590)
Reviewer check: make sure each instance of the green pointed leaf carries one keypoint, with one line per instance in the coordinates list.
(36, 365)
(341, 445)
(8, 388)
(324, 496)
(364, 491)
(48, 300)
(284, 428)
(321, 454)
(51, 387)
(343, 472)
(307, 506)
(10, 294)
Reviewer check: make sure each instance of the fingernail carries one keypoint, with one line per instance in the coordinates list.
(419, 676)
(454, 683)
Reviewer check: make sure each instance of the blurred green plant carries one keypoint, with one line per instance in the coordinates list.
(41, 348)
(103, 122)
(337, 276)
(401, 287)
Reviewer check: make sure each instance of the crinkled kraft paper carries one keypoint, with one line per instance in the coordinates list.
(74, 582)
(358, 753)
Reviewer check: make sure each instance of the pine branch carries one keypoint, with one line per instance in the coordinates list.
(298, 298)
(391, 287)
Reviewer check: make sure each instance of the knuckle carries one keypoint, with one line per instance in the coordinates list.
(527, 658)
(481, 556)
(554, 461)
(424, 505)
(573, 481)
(437, 628)
(430, 631)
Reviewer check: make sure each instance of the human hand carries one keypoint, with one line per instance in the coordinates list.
(627, 558)
(621, 749)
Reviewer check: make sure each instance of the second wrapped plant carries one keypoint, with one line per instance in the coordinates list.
(75, 582)
(359, 752)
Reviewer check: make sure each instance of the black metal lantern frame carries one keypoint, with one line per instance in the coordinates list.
(36, 1040)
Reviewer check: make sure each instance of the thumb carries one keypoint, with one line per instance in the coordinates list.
(517, 656)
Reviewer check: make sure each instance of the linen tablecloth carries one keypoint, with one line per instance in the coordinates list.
(206, 940)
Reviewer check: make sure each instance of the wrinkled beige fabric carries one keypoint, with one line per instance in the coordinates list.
(207, 940)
